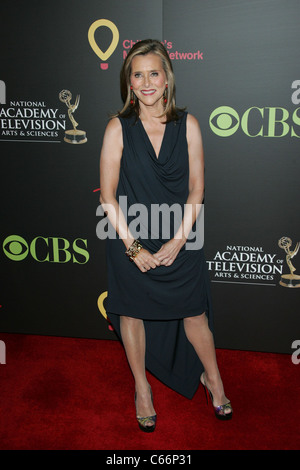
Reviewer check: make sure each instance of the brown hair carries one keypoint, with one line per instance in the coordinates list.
(145, 47)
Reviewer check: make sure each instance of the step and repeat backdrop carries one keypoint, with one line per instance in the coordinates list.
(237, 70)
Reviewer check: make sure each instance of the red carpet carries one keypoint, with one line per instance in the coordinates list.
(77, 394)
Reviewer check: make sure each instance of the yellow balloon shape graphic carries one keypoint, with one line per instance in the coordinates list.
(102, 309)
(100, 303)
(115, 39)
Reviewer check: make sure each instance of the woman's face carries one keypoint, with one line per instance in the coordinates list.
(148, 79)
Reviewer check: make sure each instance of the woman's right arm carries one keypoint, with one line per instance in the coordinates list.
(110, 161)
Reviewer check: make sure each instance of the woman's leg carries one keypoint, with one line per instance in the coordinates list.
(201, 338)
(134, 341)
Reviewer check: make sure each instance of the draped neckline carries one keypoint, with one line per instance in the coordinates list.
(149, 143)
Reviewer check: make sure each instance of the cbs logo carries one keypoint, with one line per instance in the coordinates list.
(50, 249)
(224, 121)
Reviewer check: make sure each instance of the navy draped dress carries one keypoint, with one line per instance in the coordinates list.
(163, 296)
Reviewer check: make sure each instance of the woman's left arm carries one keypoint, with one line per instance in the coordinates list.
(168, 252)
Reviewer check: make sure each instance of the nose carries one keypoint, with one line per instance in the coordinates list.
(146, 80)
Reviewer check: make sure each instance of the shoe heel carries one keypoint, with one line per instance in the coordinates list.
(218, 410)
(205, 392)
(143, 422)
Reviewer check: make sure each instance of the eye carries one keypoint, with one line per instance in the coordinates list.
(224, 121)
(154, 74)
(137, 75)
(15, 248)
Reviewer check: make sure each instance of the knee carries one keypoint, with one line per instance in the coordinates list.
(197, 320)
(130, 322)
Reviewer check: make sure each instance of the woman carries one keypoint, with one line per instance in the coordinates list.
(158, 291)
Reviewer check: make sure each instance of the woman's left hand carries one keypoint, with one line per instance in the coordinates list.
(168, 252)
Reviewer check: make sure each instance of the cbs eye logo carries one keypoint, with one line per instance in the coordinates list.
(15, 248)
(224, 121)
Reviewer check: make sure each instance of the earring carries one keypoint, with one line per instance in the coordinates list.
(131, 96)
(166, 94)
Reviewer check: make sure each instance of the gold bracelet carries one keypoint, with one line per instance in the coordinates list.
(133, 250)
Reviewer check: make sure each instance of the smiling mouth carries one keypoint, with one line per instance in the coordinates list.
(148, 92)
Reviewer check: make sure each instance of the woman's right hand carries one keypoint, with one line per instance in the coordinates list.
(145, 261)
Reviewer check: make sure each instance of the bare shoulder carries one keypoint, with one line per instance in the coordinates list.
(112, 145)
(192, 128)
(113, 135)
(192, 123)
(114, 128)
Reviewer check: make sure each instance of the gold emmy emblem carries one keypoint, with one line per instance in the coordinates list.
(73, 136)
(289, 280)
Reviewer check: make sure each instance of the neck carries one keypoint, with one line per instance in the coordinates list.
(151, 113)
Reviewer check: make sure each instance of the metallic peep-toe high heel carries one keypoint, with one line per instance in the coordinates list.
(144, 422)
(220, 411)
